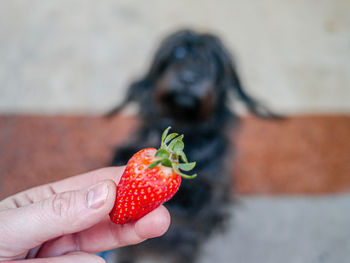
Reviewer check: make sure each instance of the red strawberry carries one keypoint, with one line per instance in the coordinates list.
(151, 177)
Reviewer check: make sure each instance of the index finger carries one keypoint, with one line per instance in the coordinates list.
(90, 178)
(69, 184)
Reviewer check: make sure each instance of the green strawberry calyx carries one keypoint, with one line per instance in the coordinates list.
(171, 154)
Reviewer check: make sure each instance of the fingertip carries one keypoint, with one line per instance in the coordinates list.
(112, 191)
(113, 173)
(154, 224)
(112, 187)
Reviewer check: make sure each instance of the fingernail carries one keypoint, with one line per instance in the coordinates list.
(97, 195)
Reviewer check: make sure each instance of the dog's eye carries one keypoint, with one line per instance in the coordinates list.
(180, 52)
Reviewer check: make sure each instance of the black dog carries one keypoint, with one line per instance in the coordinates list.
(187, 87)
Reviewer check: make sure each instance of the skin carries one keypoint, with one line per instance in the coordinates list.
(66, 221)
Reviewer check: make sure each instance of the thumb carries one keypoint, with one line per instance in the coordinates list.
(64, 213)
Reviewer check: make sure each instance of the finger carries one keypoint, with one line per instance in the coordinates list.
(107, 235)
(86, 179)
(76, 257)
(69, 184)
(61, 214)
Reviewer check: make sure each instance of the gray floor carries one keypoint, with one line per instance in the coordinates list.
(289, 230)
(284, 229)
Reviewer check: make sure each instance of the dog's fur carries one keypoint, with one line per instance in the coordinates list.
(187, 87)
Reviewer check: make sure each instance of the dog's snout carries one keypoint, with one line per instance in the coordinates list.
(185, 101)
(180, 100)
(181, 105)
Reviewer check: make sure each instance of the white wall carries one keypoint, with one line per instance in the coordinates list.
(62, 56)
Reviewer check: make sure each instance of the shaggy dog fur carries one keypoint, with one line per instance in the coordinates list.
(189, 86)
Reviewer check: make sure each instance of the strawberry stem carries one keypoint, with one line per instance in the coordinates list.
(171, 153)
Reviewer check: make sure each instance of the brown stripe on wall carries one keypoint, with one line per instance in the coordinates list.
(299, 155)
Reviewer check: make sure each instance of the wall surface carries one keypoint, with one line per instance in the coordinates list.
(63, 56)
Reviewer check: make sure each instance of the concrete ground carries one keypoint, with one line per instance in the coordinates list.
(283, 229)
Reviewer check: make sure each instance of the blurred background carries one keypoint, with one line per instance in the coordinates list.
(65, 63)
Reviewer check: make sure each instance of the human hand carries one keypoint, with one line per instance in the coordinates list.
(67, 220)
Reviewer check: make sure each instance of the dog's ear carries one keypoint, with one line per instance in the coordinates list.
(230, 80)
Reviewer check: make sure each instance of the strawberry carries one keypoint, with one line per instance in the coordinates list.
(151, 177)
